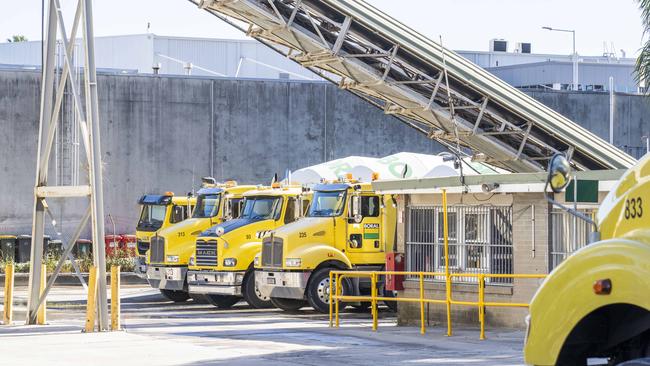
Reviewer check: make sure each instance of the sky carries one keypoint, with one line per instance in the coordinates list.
(463, 24)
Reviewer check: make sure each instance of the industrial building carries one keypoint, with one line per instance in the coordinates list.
(151, 53)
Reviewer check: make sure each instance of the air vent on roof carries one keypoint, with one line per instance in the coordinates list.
(523, 47)
(498, 45)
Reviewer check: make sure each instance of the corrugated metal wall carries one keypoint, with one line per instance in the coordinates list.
(210, 57)
(589, 74)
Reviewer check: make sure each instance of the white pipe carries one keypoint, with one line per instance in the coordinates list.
(611, 110)
(532, 219)
(276, 68)
(184, 63)
(241, 60)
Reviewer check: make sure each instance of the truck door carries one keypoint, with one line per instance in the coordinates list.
(365, 236)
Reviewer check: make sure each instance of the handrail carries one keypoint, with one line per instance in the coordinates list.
(336, 296)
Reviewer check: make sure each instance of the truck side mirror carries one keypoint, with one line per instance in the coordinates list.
(227, 210)
(559, 173)
(356, 204)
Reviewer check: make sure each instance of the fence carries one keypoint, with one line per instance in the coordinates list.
(336, 296)
(480, 241)
(444, 225)
(563, 241)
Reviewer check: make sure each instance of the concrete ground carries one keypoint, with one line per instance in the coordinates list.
(159, 332)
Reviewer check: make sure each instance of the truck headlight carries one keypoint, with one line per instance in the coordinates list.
(292, 262)
(192, 261)
(256, 262)
(230, 262)
(172, 258)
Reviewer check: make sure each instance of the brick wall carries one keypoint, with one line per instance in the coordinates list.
(530, 256)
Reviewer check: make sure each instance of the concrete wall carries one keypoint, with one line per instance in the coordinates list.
(591, 110)
(165, 133)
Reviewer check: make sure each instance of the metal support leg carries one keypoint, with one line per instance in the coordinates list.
(89, 129)
(97, 196)
(38, 223)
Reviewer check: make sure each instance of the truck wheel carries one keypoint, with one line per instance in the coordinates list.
(223, 301)
(175, 295)
(252, 295)
(290, 305)
(318, 291)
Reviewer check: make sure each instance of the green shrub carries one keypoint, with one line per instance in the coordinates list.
(120, 258)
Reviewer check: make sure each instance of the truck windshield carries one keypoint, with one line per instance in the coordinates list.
(152, 217)
(207, 206)
(262, 208)
(327, 204)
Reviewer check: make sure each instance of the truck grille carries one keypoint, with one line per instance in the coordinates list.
(157, 250)
(272, 251)
(143, 246)
(206, 253)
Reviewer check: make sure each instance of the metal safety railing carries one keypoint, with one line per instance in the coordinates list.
(336, 277)
(336, 296)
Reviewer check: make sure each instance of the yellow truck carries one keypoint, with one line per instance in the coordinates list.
(170, 248)
(158, 212)
(222, 265)
(348, 226)
(594, 308)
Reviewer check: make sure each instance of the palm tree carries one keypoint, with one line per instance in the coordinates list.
(643, 62)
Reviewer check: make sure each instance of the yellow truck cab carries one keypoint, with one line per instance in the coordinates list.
(348, 226)
(158, 212)
(595, 306)
(170, 248)
(221, 267)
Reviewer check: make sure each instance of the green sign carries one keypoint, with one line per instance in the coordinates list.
(587, 191)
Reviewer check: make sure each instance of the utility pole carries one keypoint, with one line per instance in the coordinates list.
(89, 129)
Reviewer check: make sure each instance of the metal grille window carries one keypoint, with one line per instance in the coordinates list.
(563, 240)
(480, 240)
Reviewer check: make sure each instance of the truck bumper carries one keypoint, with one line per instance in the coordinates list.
(215, 282)
(141, 267)
(286, 285)
(166, 278)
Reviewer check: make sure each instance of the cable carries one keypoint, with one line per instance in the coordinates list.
(452, 113)
(485, 200)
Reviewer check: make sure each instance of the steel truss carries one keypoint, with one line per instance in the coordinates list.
(427, 86)
(51, 100)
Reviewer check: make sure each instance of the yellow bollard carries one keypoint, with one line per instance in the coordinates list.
(91, 306)
(331, 298)
(115, 298)
(445, 224)
(373, 293)
(422, 329)
(9, 295)
(337, 292)
(481, 304)
(41, 314)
